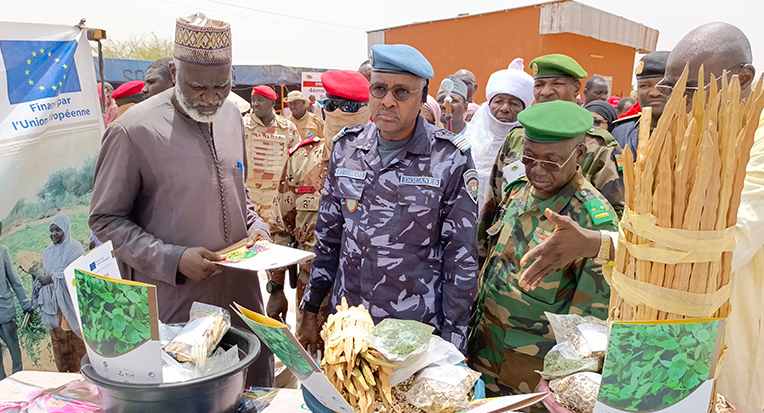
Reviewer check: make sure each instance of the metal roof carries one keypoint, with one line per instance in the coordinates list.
(568, 16)
(118, 71)
(573, 17)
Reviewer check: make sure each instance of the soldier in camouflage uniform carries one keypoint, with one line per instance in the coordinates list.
(305, 173)
(557, 77)
(396, 225)
(307, 123)
(511, 335)
(268, 137)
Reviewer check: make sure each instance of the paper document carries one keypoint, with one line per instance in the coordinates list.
(262, 256)
(284, 345)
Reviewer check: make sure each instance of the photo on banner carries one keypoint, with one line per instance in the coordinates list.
(50, 133)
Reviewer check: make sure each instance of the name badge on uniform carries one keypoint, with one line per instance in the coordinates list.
(514, 171)
(350, 173)
(420, 180)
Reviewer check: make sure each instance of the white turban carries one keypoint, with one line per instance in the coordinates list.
(513, 81)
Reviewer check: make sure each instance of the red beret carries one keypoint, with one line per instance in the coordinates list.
(128, 89)
(265, 91)
(346, 84)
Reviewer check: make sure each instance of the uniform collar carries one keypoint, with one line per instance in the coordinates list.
(419, 143)
(557, 202)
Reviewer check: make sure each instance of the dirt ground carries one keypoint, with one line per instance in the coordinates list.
(45, 363)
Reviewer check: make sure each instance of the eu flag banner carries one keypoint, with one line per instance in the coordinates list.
(51, 125)
(39, 69)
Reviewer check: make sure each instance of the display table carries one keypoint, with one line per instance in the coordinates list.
(24, 385)
(19, 386)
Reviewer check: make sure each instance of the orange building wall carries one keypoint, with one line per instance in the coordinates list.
(488, 42)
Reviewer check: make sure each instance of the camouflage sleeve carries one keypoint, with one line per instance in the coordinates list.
(592, 295)
(286, 205)
(600, 167)
(495, 194)
(320, 125)
(459, 270)
(608, 179)
(283, 235)
(328, 243)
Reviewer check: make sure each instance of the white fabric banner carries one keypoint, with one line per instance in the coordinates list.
(50, 133)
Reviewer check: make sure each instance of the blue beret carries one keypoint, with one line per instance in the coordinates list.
(400, 58)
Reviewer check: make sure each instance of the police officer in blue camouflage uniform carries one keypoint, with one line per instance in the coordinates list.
(397, 221)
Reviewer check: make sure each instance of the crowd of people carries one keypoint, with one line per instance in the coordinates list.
(475, 219)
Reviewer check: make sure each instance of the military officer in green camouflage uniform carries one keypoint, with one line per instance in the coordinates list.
(510, 333)
(557, 77)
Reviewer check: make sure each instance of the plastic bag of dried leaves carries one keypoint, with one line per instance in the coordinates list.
(442, 389)
(578, 392)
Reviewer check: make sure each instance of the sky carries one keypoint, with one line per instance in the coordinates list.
(332, 34)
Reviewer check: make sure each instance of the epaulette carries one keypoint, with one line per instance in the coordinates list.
(308, 141)
(596, 208)
(626, 119)
(602, 133)
(459, 140)
(347, 130)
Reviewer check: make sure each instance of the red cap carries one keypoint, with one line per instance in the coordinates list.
(128, 89)
(346, 84)
(633, 110)
(265, 91)
(613, 101)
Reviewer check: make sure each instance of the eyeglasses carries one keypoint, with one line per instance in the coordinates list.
(347, 106)
(667, 88)
(547, 165)
(400, 93)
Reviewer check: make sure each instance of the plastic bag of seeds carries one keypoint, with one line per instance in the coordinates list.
(442, 388)
(563, 360)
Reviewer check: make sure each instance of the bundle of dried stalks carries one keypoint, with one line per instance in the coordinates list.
(688, 176)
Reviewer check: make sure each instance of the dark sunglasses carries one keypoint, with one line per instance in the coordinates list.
(400, 93)
(347, 106)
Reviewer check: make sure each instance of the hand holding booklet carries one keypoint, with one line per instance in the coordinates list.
(262, 256)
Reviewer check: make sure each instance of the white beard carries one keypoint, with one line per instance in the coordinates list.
(191, 112)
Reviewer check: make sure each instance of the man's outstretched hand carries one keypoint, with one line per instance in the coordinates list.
(568, 242)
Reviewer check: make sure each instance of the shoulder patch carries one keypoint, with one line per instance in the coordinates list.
(348, 130)
(596, 208)
(472, 184)
(459, 140)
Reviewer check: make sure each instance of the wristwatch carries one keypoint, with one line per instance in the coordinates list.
(273, 287)
(606, 245)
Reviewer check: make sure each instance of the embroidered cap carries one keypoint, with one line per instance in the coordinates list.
(201, 40)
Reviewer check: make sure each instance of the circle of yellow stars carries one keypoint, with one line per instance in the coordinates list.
(45, 54)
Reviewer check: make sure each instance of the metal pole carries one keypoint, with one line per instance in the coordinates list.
(100, 74)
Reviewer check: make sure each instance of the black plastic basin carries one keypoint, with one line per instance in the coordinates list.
(210, 394)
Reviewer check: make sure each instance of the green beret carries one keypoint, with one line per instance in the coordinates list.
(555, 121)
(556, 65)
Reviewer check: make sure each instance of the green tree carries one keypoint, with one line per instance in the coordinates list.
(144, 47)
